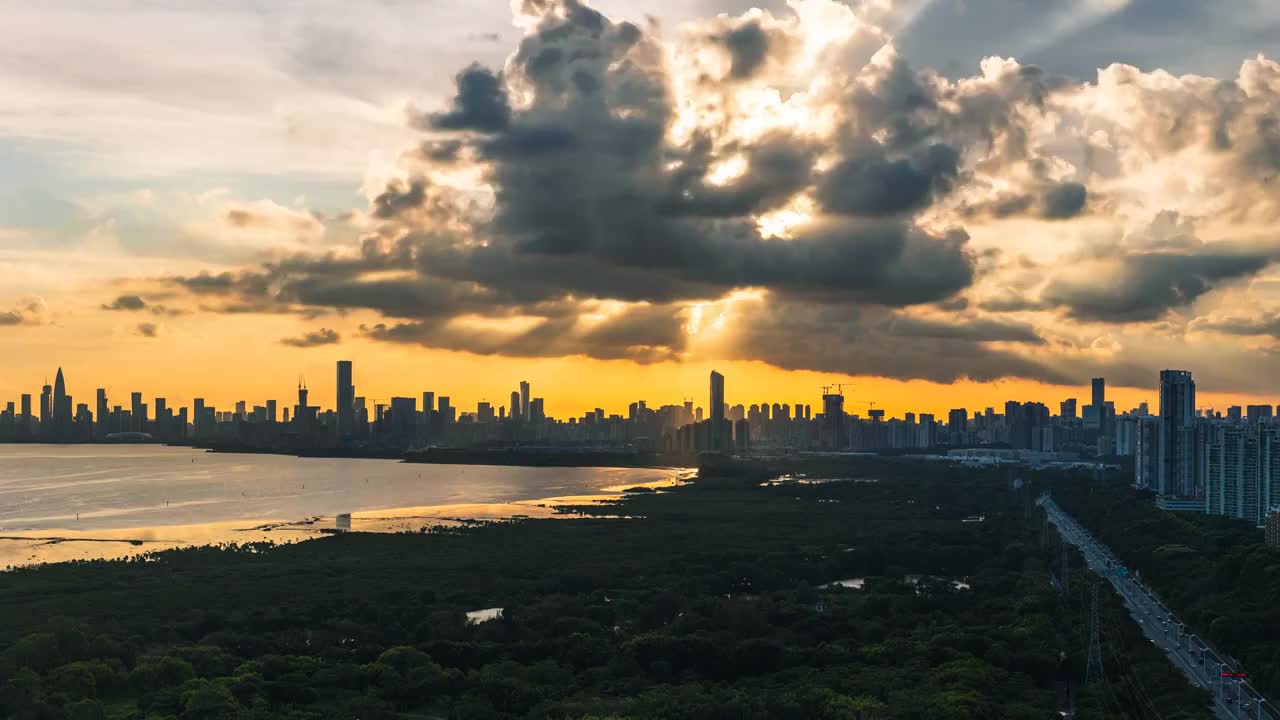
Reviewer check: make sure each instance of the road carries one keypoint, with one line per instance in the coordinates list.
(1233, 697)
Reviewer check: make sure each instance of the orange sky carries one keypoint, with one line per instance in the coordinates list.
(227, 358)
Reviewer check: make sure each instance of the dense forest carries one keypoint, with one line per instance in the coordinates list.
(711, 601)
(1217, 574)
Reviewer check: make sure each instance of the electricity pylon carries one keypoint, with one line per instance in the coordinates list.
(1093, 671)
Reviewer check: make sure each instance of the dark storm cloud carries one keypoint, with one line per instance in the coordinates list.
(1064, 201)
(11, 317)
(481, 104)
(399, 197)
(1145, 285)
(853, 341)
(641, 334)
(980, 330)
(1056, 201)
(778, 166)
(748, 47)
(871, 185)
(592, 201)
(316, 338)
(126, 303)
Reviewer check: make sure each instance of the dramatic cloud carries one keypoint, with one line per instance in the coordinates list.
(1145, 285)
(481, 104)
(607, 187)
(323, 336)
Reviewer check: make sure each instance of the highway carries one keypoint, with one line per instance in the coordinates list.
(1233, 697)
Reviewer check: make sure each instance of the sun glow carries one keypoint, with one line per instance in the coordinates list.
(781, 223)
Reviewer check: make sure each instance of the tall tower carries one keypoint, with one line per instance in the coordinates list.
(61, 405)
(524, 399)
(1093, 670)
(717, 433)
(1100, 406)
(46, 407)
(346, 400)
(300, 412)
(1176, 474)
(103, 413)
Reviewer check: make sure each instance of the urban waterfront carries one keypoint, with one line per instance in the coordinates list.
(122, 492)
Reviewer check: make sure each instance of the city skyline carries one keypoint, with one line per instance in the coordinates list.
(918, 197)
(323, 392)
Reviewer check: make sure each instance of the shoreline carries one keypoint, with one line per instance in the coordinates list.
(499, 457)
(23, 548)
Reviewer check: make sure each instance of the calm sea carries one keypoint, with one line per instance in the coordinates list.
(136, 486)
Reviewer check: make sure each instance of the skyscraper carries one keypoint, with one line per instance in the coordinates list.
(833, 421)
(1176, 475)
(138, 414)
(346, 400)
(524, 399)
(46, 409)
(1099, 392)
(61, 405)
(517, 413)
(717, 413)
(103, 414)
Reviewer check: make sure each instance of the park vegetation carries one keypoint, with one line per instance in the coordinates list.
(713, 601)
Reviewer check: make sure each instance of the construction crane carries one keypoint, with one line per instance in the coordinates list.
(826, 389)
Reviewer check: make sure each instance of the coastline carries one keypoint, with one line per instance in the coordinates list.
(21, 548)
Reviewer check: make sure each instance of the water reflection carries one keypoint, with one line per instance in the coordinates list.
(58, 543)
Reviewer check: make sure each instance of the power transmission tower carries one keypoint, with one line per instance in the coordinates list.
(1093, 671)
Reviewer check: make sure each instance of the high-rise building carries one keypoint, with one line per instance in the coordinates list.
(346, 401)
(1146, 452)
(404, 420)
(1177, 474)
(46, 409)
(524, 400)
(834, 432)
(103, 414)
(517, 413)
(1099, 392)
(61, 406)
(718, 435)
(1258, 413)
(1242, 466)
(1067, 409)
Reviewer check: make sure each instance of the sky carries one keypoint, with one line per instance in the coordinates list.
(941, 203)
